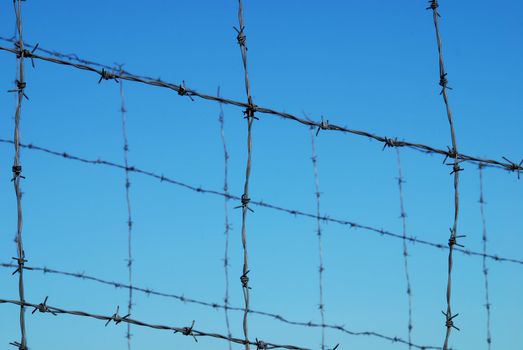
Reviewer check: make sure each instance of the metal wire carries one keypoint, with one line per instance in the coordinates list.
(116, 318)
(323, 125)
(485, 269)
(213, 305)
(17, 173)
(403, 216)
(321, 267)
(123, 112)
(449, 317)
(249, 115)
(221, 120)
(263, 204)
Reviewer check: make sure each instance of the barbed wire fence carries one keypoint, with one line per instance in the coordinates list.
(117, 74)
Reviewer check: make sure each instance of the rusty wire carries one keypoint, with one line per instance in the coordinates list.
(214, 305)
(505, 164)
(321, 267)
(221, 120)
(249, 115)
(116, 318)
(449, 317)
(123, 112)
(484, 240)
(17, 172)
(403, 216)
(263, 204)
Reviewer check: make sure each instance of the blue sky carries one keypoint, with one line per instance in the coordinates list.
(369, 65)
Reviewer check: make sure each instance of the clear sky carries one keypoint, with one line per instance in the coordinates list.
(369, 65)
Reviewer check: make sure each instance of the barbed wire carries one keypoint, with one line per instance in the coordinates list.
(105, 73)
(449, 317)
(263, 204)
(21, 85)
(249, 115)
(130, 261)
(484, 240)
(321, 267)
(403, 216)
(116, 318)
(221, 120)
(214, 305)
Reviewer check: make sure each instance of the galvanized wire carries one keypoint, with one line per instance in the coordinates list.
(17, 173)
(249, 115)
(221, 120)
(123, 112)
(485, 268)
(449, 317)
(321, 267)
(116, 318)
(183, 90)
(403, 215)
(214, 305)
(263, 204)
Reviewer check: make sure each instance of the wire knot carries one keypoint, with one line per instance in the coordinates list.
(26, 53)
(453, 239)
(42, 307)
(244, 279)
(390, 142)
(20, 87)
(188, 331)
(249, 112)
(105, 75)
(512, 166)
(443, 82)
(261, 345)
(449, 320)
(21, 262)
(116, 317)
(182, 91)
(18, 345)
(244, 203)
(17, 172)
(241, 37)
(324, 125)
(433, 5)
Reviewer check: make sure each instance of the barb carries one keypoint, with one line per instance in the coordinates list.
(184, 299)
(263, 204)
(17, 172)
(221, 120)
(130, 261)
(455, 170)
(485, 269)
(321, 268)
(127, 319)
(403, 216)
(249, 115)
(95, 68)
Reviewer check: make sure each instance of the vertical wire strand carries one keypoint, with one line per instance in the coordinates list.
(221, 120)
(449, 317)
(123, 111)
(321, 268)
(403, 216)
(484, 239)
(17, 170)
(249, 115)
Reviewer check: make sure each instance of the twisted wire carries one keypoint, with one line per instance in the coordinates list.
(403, 216)
(116, 318)
(221, 120)
(123, 112)
(321, 268)
(184, 91)
(449, 317)
(485, 269)
(263, 204)
(249, 115)
(213, 305)
(17, 173)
